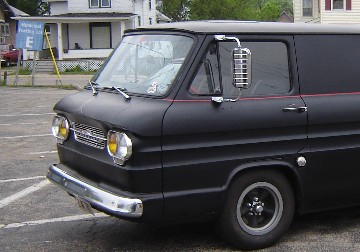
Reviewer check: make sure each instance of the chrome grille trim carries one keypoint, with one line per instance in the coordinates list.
(89, 135)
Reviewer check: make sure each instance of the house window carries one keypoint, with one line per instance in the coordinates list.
(338, 4)
(307, 8)
(100, 3)
(105, 3)
(150, 7)
(139, 20)
(5, 30)
(94, 4)
(47, 29)
(100, 35)
(150, 21)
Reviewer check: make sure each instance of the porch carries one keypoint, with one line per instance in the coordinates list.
(80, 38)
(68, 54)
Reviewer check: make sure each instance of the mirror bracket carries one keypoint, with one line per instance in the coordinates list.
(241, 63)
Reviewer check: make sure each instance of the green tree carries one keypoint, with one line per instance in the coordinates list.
(271, 11)
(31, 7)
(264, 10)
(220, 9)
(287, 6)
(177, 10)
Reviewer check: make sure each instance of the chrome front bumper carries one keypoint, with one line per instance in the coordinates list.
(110, 203)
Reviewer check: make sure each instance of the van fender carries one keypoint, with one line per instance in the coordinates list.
(288, 169)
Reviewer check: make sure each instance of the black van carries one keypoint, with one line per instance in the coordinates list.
(242, 122)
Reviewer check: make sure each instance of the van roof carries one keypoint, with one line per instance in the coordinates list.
(231, 26)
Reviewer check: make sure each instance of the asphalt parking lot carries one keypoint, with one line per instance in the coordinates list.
(37, 216)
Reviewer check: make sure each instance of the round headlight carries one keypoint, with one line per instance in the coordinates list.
(60, 128)
(119, 145)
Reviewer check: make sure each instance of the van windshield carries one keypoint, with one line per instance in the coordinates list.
(145, 64)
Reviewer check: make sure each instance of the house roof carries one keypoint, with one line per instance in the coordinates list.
(95, 15)
(10, 10)
(286, 18)
(81, 17)
(18, 12)
(162, 17)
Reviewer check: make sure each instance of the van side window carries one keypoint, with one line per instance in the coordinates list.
(326, 67)
(269, 65)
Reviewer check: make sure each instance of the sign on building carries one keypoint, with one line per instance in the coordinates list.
(30, 35)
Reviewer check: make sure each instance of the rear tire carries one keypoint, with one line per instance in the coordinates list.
(259, 209)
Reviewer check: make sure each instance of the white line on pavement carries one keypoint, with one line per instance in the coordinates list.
(62, 219)
(12, 115)
(10, 124)
(27, 136)
(23, 193)
(42, 152)
(21, 179)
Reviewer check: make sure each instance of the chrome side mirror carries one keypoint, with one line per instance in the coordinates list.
(241, 67)
(241, 63)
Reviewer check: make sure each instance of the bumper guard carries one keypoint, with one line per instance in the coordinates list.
(109, 202)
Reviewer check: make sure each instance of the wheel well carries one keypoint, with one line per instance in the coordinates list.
(259, 207)
(288, 172)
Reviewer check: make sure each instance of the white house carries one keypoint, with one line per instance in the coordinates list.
(92, 28)
(327, 11)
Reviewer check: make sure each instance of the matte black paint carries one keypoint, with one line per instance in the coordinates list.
(143, 173)
(330, 79)
(187, 149)
(203, 143)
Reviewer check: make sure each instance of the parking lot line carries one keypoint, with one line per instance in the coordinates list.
(26, 136)
(42, 152)
(10, 124)
(12, 115)
(21, 179)
(23, 193)
(46, 221)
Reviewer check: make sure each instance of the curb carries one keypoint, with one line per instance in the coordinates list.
(78, 81)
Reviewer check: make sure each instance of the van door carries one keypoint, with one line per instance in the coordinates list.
(329, 76)
(204, 142)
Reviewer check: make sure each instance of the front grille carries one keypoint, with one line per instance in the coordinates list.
(89, 135)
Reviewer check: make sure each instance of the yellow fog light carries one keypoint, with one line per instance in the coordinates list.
(60, 128)
(119, 146)
(112, 144)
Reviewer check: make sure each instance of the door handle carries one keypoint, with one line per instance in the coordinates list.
(295, 109)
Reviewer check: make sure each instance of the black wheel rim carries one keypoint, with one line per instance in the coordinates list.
(259, 208)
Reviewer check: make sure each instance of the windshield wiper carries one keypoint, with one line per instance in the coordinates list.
(121, 91)
(93, 86)
(118, 89)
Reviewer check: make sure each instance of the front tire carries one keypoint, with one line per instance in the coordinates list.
(259, 209)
